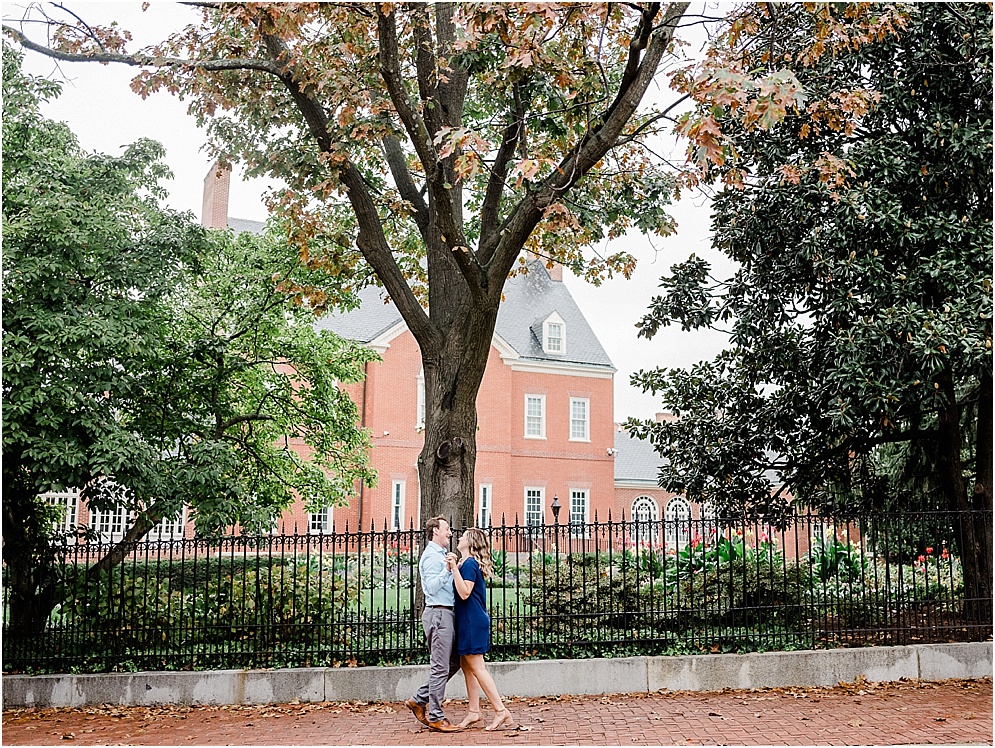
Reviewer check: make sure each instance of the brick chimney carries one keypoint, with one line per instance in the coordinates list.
(216, 184)
(555, 272)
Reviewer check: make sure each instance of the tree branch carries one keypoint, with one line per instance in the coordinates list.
(141, 60)
(405, 184)
(640, 70)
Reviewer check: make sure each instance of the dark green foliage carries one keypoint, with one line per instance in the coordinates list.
(858, 375)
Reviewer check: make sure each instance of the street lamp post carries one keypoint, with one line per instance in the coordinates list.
(555, 506)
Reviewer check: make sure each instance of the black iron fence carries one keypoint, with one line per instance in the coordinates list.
(610, 588)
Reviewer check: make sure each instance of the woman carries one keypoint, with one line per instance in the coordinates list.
(473, 625)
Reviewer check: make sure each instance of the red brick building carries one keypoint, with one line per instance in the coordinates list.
(545, 415)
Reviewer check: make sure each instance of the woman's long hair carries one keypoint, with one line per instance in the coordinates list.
(480, 549)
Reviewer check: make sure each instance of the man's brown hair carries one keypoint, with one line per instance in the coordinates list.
(431, 525)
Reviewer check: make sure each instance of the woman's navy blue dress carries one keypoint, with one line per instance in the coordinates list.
(473, 625)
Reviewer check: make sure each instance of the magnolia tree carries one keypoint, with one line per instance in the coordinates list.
(429, 145)
(859, 365)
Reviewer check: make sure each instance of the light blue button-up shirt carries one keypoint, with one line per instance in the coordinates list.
(436, 579)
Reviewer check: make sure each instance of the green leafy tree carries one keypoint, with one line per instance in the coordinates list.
(430, 144)
(859, 367)
(147, 362)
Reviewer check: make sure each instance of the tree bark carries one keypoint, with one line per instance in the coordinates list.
(951, 478)
(28, 557)
(982, 497)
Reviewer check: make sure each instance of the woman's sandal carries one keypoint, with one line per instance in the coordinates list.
(467, 721)
(502, 718)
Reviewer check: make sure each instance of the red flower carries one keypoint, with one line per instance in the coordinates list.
(944, 555)
(921, 559)
(929, 550)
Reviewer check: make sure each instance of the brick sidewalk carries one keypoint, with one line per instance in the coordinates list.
(955, 711)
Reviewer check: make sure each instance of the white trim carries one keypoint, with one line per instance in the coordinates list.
(542, 504)
(639, 485)
(485, 504)
(542, 416)
(114, 520)
(554, 319)
(398, 488)
(504, 348)
(420, 406)
(69, 501)
(567, 368)
(586, 492)
(170, 528)
(325, 522)
(587, 419)
(677, 529)
(382, 341)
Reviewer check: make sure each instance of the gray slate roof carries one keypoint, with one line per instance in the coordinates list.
(635, 459)
(238, 225)
(528, 300)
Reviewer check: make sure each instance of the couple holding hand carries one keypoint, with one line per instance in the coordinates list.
(456, 625)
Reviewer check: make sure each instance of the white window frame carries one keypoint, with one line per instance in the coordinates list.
(170, 528)
(645, 513)
(69, 501)
(578, 520)
(420, 413)
(320, 522)
(116, 520)
(398, 489)
(532, 518)
(485, 504)
(542, 416)
(677, 518)
(548, 323)
(586, 401)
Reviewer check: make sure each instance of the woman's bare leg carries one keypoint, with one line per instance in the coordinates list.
(472, 694)
(479, 670)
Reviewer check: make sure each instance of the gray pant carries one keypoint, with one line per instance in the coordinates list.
(440, 630)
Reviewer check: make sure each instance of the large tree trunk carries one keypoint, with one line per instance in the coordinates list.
(452, 380)
(30, 574)
(977, 588)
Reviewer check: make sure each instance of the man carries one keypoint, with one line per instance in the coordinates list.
(440, 627)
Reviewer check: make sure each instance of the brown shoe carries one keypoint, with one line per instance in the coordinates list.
(418, 710)
(444, 725)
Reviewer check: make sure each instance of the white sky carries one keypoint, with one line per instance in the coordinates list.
(106, 115)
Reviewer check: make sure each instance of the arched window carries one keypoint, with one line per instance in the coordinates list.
(678, 522)
(645, 514)
(710, 525)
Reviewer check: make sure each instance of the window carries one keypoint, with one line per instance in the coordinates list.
(534, 506)
(170, 528)
(484, 516)
(69, 500)
(678, 520)
(579, 421)
(420, 422)
(397, 505)
(710, 525)
(645, 514)
(578, 513)
(535, 416)
(110, 523)
(320, 522)
(554, 335)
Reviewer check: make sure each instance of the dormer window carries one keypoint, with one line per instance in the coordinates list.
(554, 335)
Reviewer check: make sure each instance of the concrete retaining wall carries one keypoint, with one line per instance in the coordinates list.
(532, 678)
